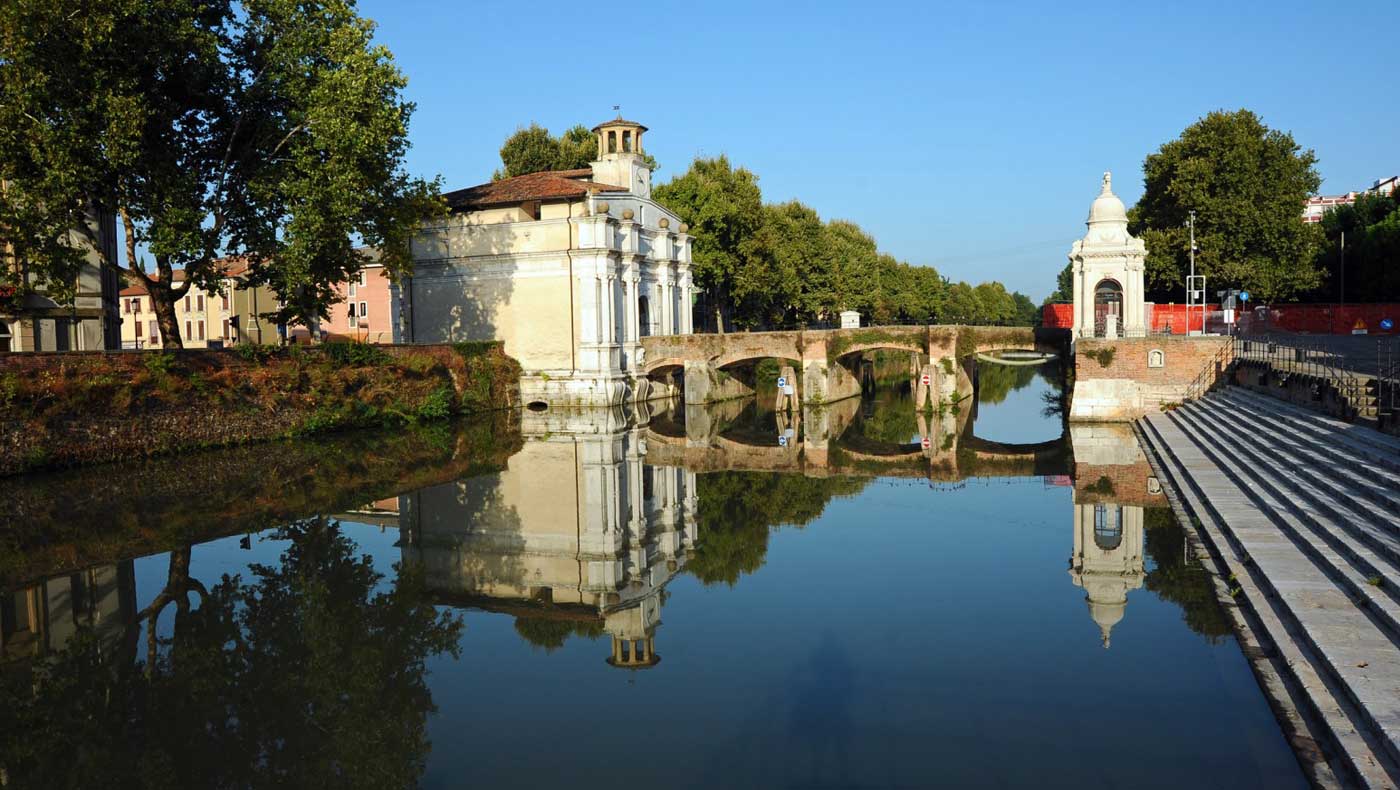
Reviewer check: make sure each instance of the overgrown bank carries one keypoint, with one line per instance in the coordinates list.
(59, 410)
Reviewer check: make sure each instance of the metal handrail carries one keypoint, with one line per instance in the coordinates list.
(1219, 364)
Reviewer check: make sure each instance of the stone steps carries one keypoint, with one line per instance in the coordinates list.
(1329, 428)
(1303, 579)
(1362, 458)
(1349, 558)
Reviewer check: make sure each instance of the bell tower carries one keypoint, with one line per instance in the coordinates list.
(621, 160)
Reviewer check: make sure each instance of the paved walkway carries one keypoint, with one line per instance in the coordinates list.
(1304, 513)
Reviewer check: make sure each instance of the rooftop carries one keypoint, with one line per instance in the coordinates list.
(547, 185)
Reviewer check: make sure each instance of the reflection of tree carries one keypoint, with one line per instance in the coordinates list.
(310, 676)
(995, 382)
(736, 510)
(1180, 580)
(551, 634)
(893, 419)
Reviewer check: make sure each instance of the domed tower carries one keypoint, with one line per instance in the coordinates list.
(621, 160)
(1107, 267)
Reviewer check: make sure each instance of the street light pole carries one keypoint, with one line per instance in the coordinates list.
(1190, 281)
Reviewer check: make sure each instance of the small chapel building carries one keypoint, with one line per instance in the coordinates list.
(1107, 266)
(569, 268)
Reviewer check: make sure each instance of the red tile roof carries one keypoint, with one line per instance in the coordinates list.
(549, 185)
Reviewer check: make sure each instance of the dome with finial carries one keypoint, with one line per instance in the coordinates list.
(1108, 218)
(1107, 207)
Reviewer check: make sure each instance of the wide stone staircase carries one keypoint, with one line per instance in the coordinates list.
(1302, 514)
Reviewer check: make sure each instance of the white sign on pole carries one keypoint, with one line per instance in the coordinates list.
(925, 443)
(782, 441)
(926, 380)
(782, 381)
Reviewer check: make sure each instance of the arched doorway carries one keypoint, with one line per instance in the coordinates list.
(1108, 307)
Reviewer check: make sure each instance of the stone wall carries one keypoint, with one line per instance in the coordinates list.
(1119, 380)
(71, 409)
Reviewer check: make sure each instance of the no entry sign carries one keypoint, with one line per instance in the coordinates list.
(926, 380)
(925, 443)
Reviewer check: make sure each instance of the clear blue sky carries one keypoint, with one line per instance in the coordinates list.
(967, 136)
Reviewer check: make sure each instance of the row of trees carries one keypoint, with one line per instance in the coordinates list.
(274, 130)
(780, 264)
(1247, 184)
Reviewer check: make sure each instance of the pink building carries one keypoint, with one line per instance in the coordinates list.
(368, 311)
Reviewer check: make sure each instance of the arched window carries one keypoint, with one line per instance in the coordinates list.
(1108, 526)
(1108, 301)
(644, 315)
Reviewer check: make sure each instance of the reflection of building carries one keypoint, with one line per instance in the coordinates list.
(578, 528)
(1107, 560)
(1113, 485)
(42, 617)
(569, 268)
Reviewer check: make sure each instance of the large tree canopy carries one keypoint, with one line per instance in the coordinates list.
(269, 129)
(1247, 184)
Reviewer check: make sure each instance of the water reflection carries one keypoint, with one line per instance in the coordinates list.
(308, 667)
(577, 530)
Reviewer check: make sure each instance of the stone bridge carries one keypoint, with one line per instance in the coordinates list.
(825, 358)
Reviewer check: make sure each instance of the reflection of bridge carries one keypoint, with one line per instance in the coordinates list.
(824, 357)
(824, 443)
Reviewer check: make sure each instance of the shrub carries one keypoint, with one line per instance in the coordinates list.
(438, 405)
(346, 354)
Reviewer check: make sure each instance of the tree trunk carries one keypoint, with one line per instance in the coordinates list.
(163, 302)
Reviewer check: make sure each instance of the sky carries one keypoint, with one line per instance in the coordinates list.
(968, 136)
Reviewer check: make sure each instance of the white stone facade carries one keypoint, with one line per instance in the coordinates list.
(1108, 272)
(569, 269)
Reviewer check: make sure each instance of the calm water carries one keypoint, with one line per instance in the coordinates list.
(681, 598)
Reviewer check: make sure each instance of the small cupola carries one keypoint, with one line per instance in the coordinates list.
(621, 160)
(618, 137)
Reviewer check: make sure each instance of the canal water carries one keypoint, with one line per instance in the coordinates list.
(721, 597)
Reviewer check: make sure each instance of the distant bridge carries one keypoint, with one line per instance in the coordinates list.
(823, 357)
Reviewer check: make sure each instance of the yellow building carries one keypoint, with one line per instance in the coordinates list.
(569, 268)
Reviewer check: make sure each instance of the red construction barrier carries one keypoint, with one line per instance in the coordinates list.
(1315, 318)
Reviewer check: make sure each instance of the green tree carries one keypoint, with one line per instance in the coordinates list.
(1246, 183)
(1064, 286)
(1372, 229)
(724, 209)
(529, 150)
(270, 129)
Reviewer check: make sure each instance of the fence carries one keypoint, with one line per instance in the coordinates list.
(1176, 319)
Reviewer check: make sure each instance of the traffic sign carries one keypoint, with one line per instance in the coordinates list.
(1244, 296)
(926, 380)
(1387, 324)
(925, 443)
(782, 441)
(1359, 328)
(782, 381)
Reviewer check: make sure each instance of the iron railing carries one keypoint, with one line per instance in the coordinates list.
(1387, 378)
(1214, 371)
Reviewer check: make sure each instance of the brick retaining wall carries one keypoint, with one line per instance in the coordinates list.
(1113, 381)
